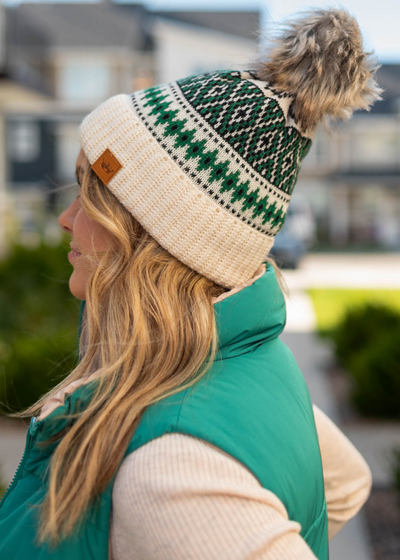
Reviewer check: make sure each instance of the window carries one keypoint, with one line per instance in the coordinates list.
(25, 141)
(85, 80)
(375, 148)
(67, 150)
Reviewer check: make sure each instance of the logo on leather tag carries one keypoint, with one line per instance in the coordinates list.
(106, 166)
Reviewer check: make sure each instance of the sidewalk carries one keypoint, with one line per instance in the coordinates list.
(361, 271)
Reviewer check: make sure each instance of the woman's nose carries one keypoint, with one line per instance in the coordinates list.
(66, 220)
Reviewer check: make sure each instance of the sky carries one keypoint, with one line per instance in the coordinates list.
(379, 20)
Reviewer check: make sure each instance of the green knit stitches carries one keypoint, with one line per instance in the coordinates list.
(233, 137)
(253, 124)
(175, 127)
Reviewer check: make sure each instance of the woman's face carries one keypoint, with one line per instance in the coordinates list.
(82, 229)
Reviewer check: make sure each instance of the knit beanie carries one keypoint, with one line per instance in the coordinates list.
(207, 164)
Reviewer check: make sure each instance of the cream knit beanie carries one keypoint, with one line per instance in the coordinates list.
(207, 164)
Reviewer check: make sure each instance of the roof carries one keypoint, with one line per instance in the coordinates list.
(26, 50)
(85, 25)
(244, 24)
(109, 25)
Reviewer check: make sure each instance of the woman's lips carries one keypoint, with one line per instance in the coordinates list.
(72, 255)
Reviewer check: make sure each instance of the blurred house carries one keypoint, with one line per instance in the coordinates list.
(59, 61)
(21, 88)
(351, 177)
(188, 43)
(79, 55)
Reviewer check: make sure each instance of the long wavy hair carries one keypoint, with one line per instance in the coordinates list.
(149, 332)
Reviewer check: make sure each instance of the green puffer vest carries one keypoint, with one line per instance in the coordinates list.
(252, 404)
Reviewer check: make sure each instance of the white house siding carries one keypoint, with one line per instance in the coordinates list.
(106, 72)
(183, 50)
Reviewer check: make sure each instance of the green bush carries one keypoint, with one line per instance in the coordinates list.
(34, 291)
(38, 323)
(362, 326)
(375, 370)
(33, 365)
(367, 344)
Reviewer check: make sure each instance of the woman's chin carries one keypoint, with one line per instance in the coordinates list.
(76, 286)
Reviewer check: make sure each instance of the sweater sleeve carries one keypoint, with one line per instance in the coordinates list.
(347, 477)
(179, 497)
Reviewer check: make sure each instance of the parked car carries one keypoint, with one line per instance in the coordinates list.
(287, 250)
(297, 235)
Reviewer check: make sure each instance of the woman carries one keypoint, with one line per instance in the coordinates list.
(186, 429)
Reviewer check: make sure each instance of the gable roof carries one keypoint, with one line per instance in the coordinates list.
(244, 24)
(25, 53)
(119, 25)
(85, 25)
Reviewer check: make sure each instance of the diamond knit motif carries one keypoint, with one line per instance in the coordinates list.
(254, 125)
(234, 137)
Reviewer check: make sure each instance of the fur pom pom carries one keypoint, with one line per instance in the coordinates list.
(319, 58)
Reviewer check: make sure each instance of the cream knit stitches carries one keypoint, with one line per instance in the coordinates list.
(209, 164)
(185, 221)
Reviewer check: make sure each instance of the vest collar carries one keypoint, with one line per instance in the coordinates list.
(251, 316)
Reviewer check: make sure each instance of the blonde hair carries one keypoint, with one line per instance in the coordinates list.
(150, 333)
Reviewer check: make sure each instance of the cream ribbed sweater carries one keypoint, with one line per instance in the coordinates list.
(181, 498)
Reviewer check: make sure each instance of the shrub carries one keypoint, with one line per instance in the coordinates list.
(361, 327)
(33, 365)
(367, 344)
(38, 323)
(375, 370)
(34, 291)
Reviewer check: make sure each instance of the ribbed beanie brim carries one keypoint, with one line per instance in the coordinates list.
(185, 221)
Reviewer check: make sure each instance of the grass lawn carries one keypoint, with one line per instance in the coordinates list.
(330, 305)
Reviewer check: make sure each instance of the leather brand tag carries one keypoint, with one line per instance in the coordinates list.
(106, 166)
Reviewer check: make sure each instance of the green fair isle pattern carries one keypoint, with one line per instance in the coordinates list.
(254, 125)
(232, 139)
